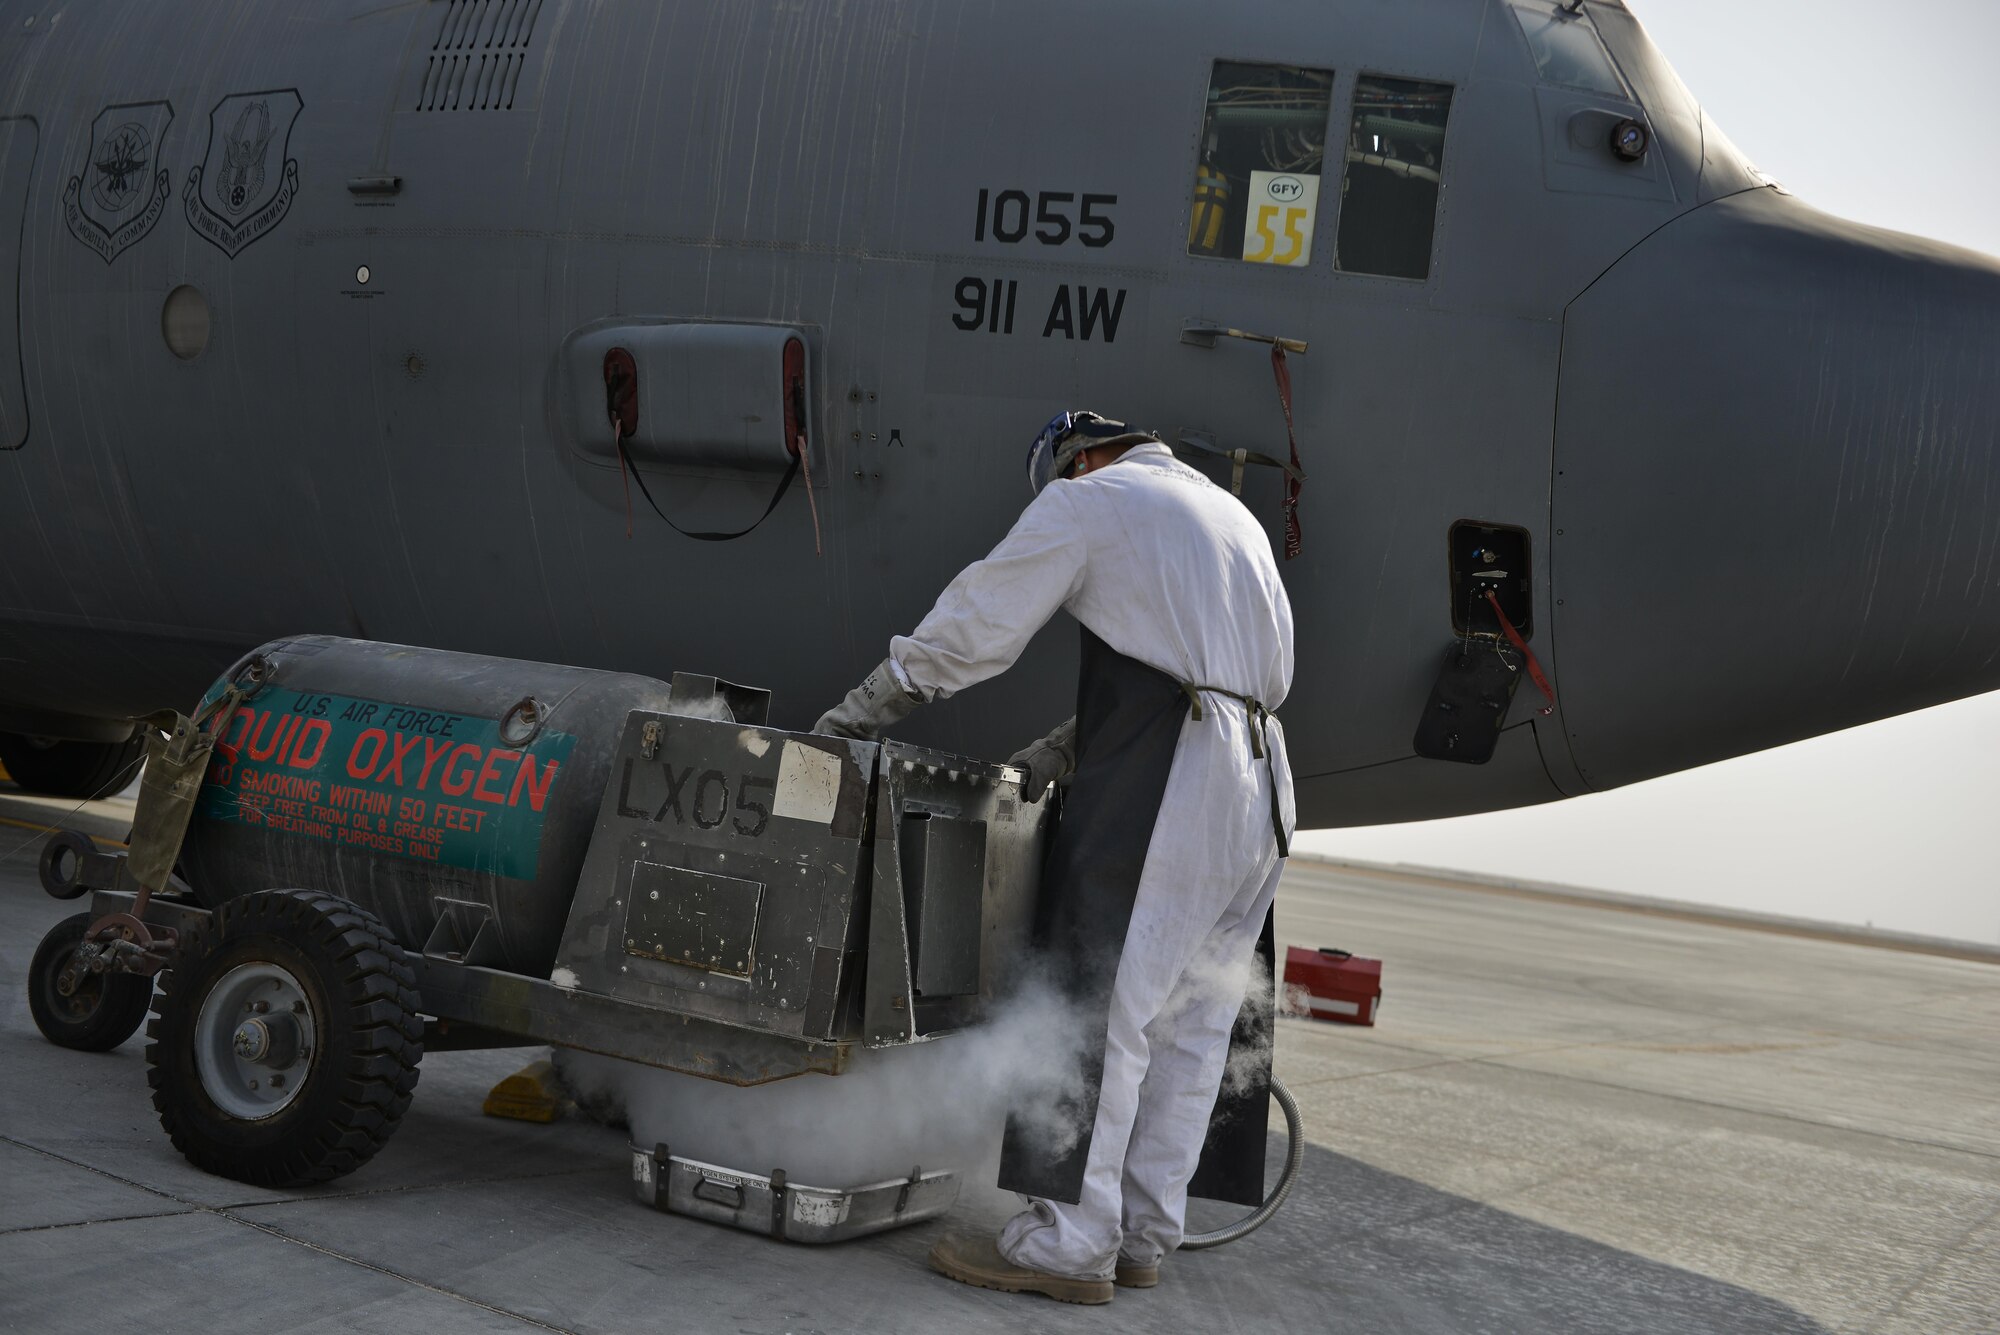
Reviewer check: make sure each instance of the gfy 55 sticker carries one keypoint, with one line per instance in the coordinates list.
(246, 183)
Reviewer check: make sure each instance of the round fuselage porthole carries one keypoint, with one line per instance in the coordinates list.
(184, 322)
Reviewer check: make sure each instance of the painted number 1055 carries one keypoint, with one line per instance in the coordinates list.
(1054, 216)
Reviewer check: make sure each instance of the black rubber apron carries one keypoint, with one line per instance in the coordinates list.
(1128, 724)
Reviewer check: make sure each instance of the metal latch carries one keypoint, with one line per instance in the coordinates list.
(903, 1196)
(1203, 333)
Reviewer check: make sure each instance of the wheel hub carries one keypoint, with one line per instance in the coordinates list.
(253, 1040)
(272, 1042)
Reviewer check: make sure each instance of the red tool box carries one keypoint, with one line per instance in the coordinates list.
(1329, 984)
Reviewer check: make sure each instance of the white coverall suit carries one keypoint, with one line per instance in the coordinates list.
(1169, 569)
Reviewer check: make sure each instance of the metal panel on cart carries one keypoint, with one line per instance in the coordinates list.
(958, 857)
(724, 880)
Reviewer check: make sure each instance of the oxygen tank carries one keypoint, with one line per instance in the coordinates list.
(451, 794)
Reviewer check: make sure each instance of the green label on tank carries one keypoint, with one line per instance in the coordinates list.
(399, 780)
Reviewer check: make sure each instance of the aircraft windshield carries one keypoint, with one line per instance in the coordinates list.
(1670, 107)
(1566, 47)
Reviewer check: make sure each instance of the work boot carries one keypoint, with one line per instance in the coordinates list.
(978, 1261)
(1136, 1275)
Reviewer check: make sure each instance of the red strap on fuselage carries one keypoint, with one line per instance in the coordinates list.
(1294, 482)
(625, 478)
(1534, 668)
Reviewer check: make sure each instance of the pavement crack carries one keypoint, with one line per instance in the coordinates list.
(103, 1173)
(230, 1213)
(87, 1223)
(338, 1255)
(1502, 1064)
(1952, 1250)
(410, 1188)
(1504, 1057)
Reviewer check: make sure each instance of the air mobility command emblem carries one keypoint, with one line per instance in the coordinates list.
(245, 185)
(123, 189)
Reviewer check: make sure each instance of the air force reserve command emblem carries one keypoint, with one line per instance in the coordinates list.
(123, 187)
(245, 185)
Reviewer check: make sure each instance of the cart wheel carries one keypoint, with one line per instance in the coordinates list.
(286, 1041)
(1295, 1153)
(75, 1008)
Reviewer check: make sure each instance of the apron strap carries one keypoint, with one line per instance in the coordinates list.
(1258, 718)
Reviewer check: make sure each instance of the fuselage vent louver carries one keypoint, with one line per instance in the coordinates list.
(476, 61)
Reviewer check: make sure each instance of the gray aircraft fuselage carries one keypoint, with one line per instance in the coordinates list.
(307, 305)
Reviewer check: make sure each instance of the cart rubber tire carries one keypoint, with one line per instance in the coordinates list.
(104, 1011)
(71, 769)
(366, 1039)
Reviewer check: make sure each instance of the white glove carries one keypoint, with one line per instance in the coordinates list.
(1052, 758)
(880, 701)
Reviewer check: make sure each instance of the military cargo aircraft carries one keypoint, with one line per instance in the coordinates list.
(712, 336)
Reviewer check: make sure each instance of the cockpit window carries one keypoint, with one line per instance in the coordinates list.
(1395, 164)
(1263, 145)
(1566, 47)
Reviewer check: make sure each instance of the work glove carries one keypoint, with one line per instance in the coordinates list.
(1052, 758)
(880, 701)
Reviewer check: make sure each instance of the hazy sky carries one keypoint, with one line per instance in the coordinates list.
(1882, 113)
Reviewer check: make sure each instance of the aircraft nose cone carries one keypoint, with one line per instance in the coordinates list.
(1776, 508)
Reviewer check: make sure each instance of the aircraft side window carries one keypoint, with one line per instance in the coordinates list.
(1263, 144)
(1566, 47)
(1395, 164)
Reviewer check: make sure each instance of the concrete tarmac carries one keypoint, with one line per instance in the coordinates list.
(1569, 1118)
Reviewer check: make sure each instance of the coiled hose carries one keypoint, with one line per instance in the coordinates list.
(1295, 1154)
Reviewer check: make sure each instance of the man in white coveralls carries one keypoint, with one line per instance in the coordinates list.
(1161, 874)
